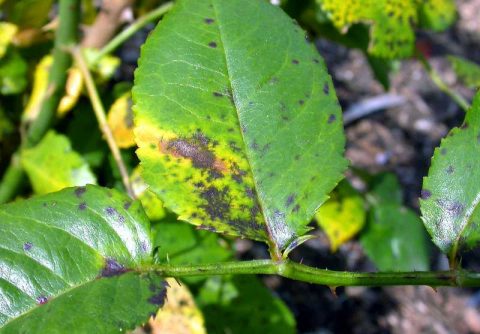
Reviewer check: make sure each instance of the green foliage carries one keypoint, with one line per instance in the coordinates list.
(52, 165)
(450, 194)
(52, 266)
(223, 109)
(243, 305)
(468, 72)
(13, 73)
(28, 13)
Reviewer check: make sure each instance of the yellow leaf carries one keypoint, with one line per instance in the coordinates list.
(120, 120)
(151, 203)
(342, 216)
(179, 315)
(7, 31)
(40, 83)
(73, 89)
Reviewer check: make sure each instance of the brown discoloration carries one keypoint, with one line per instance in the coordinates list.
(194, 149)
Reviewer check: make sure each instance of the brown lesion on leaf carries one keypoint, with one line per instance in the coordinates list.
(196, 149)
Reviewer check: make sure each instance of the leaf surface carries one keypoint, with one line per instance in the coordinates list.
(238, 130)
(451, 193)
(52, 165)
(67, 262)
(468, 72)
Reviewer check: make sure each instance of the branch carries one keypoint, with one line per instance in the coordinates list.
(102, 118)
(65, 35)
(333, 279)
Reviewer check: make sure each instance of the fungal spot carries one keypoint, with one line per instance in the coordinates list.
(127, 205)
(425, 194)
(27, 246)
(301, 102)
(42, 300)
(196, 150)
(212, 44)
(290, 200)
(295, 62)
(82, 206)
(296, 208)
(217, 94)
(159, 293)
(218, 202)
(110, 211)
(453, 208)
(332, 118)
(209, 20)
(79, 191)
(450, 170)
(112, 268)
(326, 88)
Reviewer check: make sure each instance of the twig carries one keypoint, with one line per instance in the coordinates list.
(65, 35)
(371, 105)
(131, 30)
(333, 279)
(101, 117)
(438, 81)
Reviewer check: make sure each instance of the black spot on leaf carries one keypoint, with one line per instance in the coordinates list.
(159, 293)
(295, 62)
(453, 208)
(209, 20)
(79, 191)
(27, 246)
(42, 300)
(290, 200)
(450, 170)
(425, 194)
(127, 205)
(332, 118)
(82, 206)
(326, 88)
(112, 268)
(212, 44)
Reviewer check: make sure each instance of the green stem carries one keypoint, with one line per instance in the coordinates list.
(66, 34)
(334, 279)
(438, 81)
(131, 30)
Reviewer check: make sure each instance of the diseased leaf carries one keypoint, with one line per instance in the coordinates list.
(391, 32)
(451, 193)
(395, 239)
(68, 260)
(120, 120)
(13, 74)
(243, 305)
(466, 71)
(238, 131)
(180, 314)
(342, 216)
(436, 14)
(152, 205)
(7, 31)
(53, 165)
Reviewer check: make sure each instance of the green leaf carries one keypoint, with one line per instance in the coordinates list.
(437, 15)
(466, 71)
(53, 165)
(385, 189)
(342, 216)
(68, 260)
(238, 130)
(451, 192)
(395, 239)
(243, 305)
(13, 74)
(152, 205)
(28, 13)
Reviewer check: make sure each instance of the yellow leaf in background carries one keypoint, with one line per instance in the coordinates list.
(7, 31)
(179, 315)
(103, 68)
(73, 89)
(152, 205)
(342, 216)
(120, 120)
(40, 83)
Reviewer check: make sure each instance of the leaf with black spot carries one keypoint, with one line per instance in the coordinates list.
(237, 132)
(69, 264)
(451, 193)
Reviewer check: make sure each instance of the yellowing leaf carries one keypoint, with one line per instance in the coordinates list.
(179, 315)
(436, 14)
(152, 205)
(40, 83)
(343, 216)
(7, 31)
(120, 120)
(73, 89)
(105, 67)
(53, 165)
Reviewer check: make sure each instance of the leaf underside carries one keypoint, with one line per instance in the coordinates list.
(239, 130)
(451, 193)
(67, 263)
